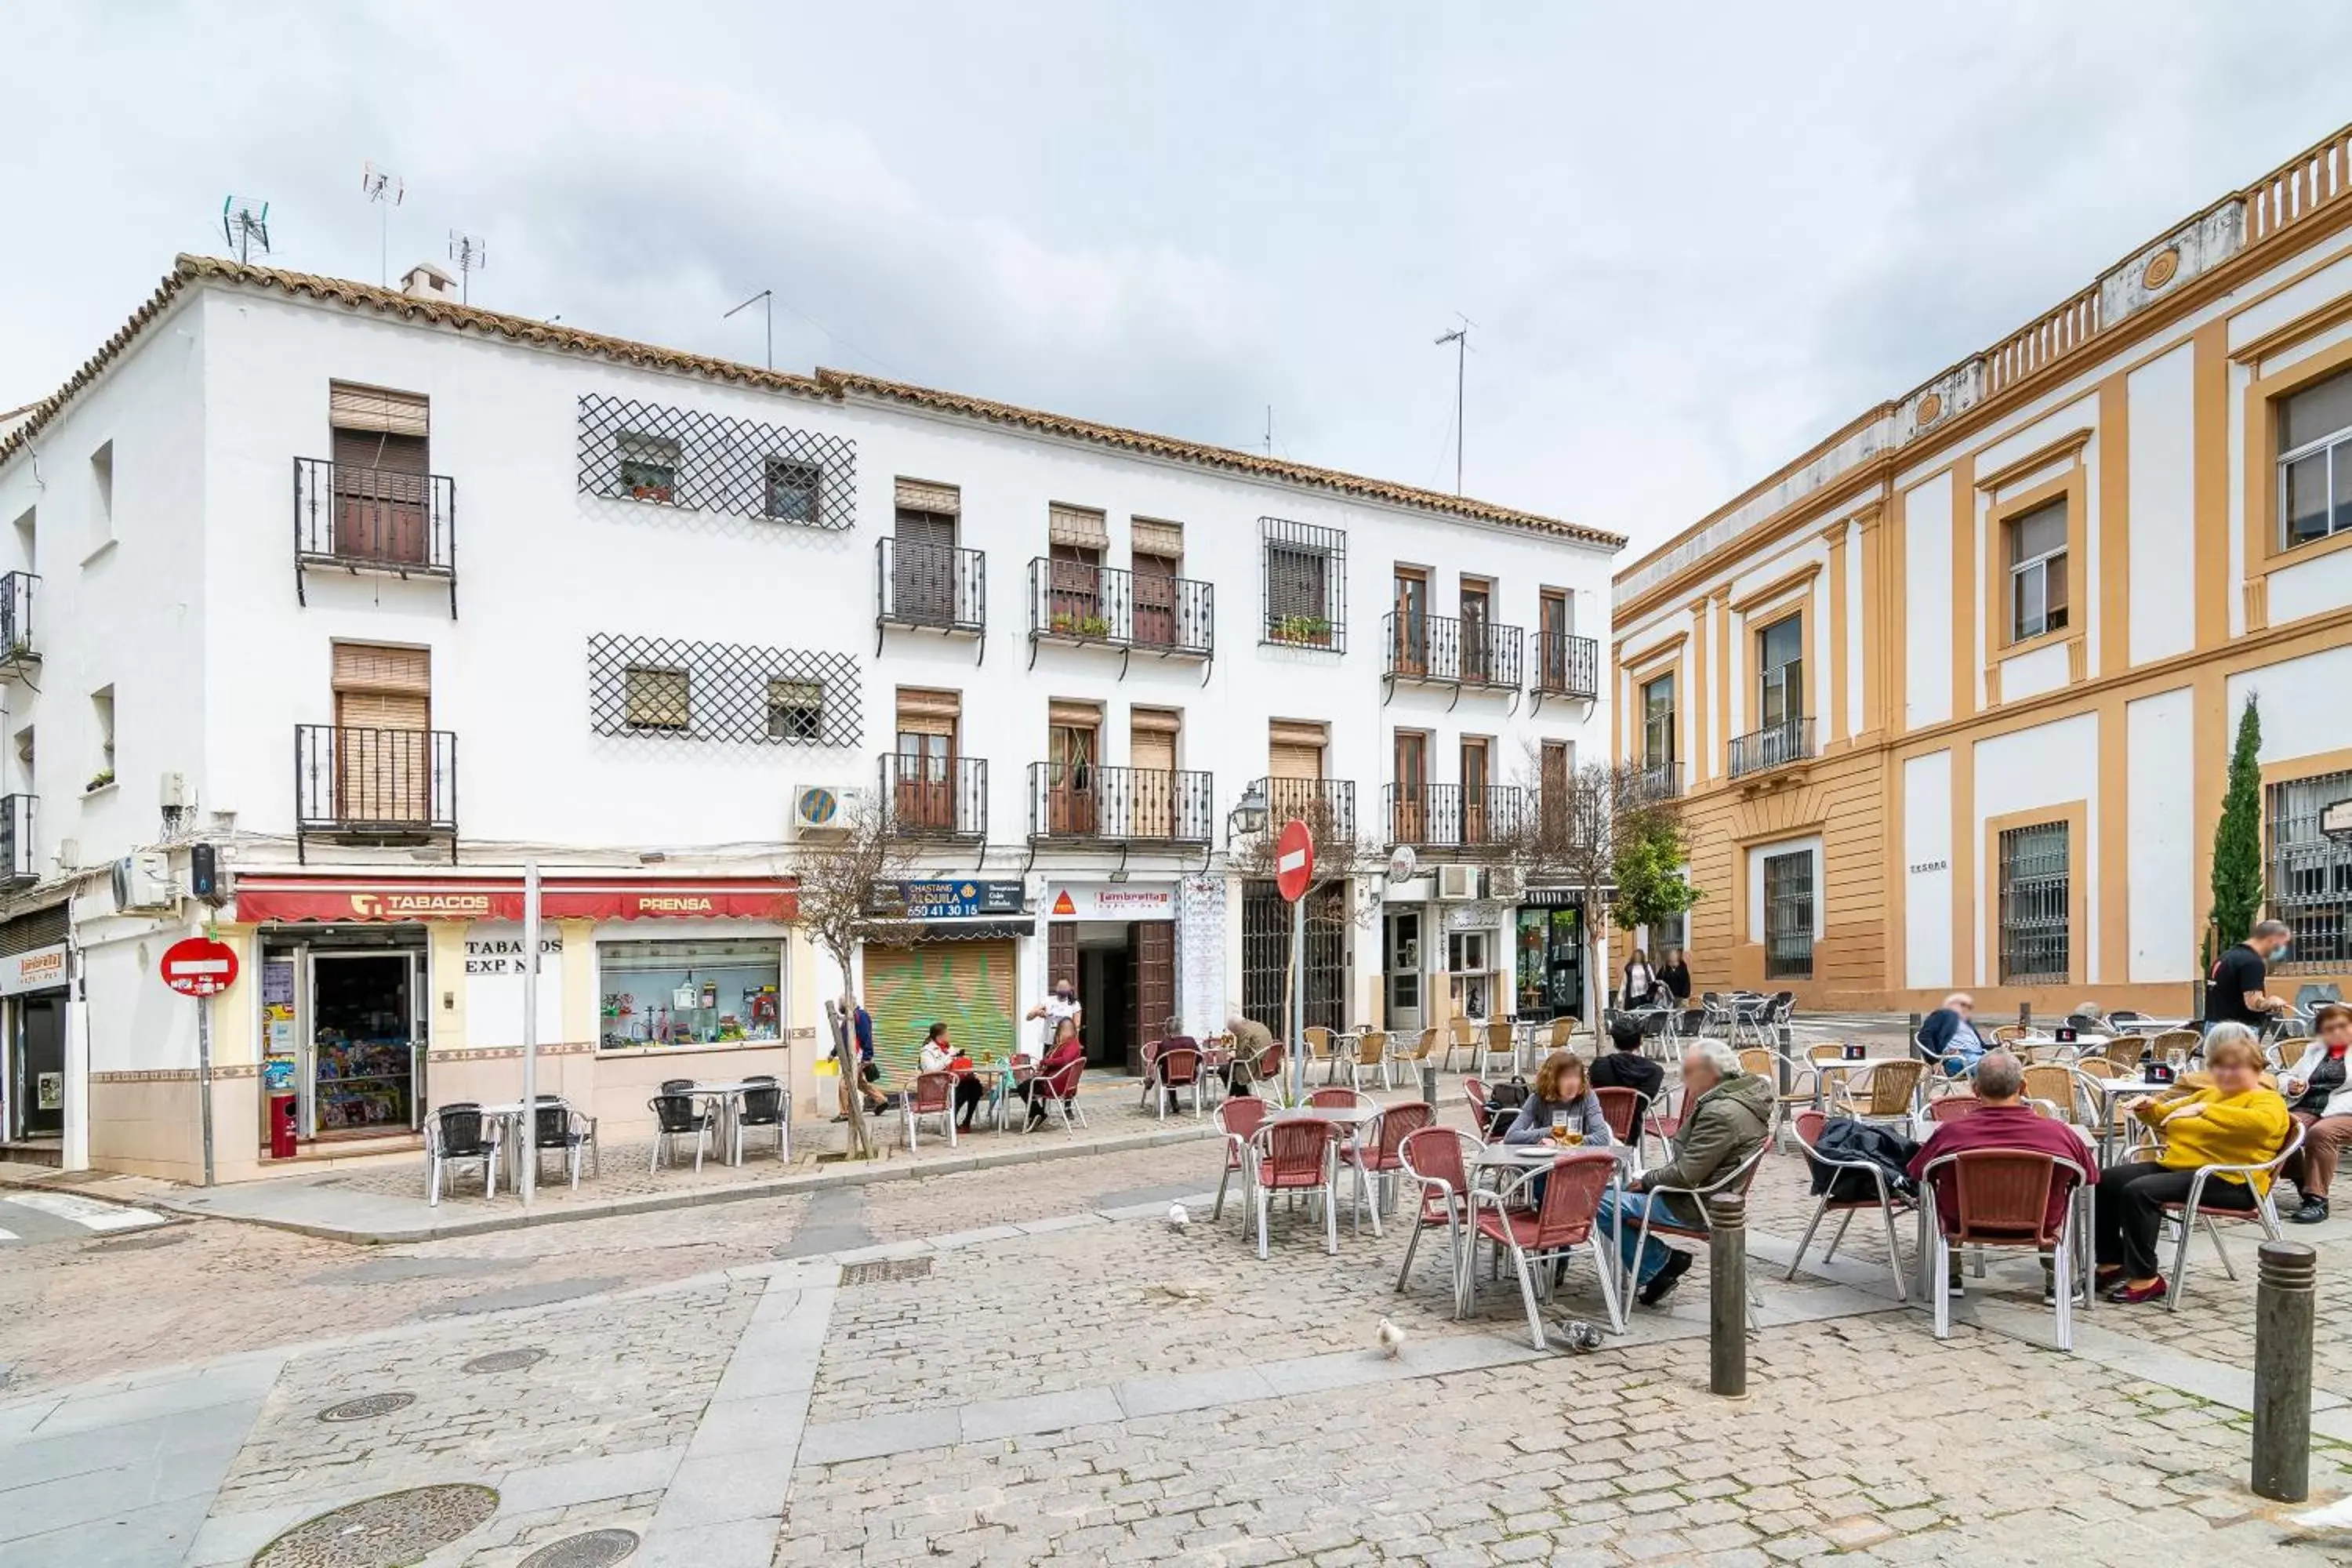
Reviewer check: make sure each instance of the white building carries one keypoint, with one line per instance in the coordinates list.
(379, 595)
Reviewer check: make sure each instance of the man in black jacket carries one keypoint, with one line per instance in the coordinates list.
(1624, 1065)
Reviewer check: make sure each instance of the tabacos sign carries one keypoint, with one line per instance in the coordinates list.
(407, 906)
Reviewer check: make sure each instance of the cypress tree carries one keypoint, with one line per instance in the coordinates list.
(2238, 838)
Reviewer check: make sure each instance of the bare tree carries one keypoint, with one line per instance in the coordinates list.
(838, 908)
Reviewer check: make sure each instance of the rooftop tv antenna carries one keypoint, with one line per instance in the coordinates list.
(469, 253)
(385, 189)
(245, 225)
(766, 300)
(1460, 338)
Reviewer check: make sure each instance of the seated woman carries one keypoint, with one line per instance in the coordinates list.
(2232, 1120)
(1058, 1071)
(938, 1056)
(1560, 1089)
(2318, 1097)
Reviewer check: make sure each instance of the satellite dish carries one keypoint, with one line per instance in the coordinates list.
(1403, 864)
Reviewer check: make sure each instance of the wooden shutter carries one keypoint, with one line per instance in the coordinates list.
(927, 712)
(384, 760)
(1295, 751)
(377, 409)
(1151, 537)
(1154, 989)
(921, 495)
(377, 667)
(1063, 713)
(1078, 526)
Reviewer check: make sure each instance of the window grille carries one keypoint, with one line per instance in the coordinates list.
(722, 691)
(2310, 875)
(2035, 885)
(696, 461)
(1305, 586)
(1788, 916)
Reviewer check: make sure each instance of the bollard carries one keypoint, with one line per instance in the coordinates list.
(2282, 1317)
(1429, 1084)
(1726, 1261)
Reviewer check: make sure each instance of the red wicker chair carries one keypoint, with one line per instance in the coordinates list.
(933, 1094)
(1622, 1108)
(1952, 1107)
(1562, 1222)
(1382, 1157)
(1431, 1157)
(2003, 1199)
(1883, 1198)
(1238, 1118)
(1297, 1157)
(1177, 1066)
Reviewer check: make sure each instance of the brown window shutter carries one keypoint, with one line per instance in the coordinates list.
(921, 495)
(927, 712)
(1061, 712)
(1295, 733)
(1154, 721)
(1076, 525)
(1149, 536)
(373, 666)
(382, 711)
(1152, 750)
(1289, 762)
(378, 410)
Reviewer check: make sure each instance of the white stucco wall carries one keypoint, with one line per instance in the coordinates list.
(2304, 705)
(2159, 734)
(1928, 870)
(2161, 457)
(1928, 607)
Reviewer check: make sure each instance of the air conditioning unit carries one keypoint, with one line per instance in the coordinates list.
(1457, 884)
(1507, 883)
(142, 883)
(820, 811)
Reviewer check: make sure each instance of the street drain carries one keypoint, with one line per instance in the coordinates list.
(887, 1270)
(598, 1548)
(507, 1360)
(384, 1532)
(367, 1407)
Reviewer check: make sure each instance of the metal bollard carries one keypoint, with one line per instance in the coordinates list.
(1726, 1261)
(2283, 1298)
(1429, 1084)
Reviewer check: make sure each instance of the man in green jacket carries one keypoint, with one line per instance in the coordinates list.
(1727, 1115)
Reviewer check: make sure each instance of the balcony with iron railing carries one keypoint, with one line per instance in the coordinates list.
(1440, 650)
(1659, 780)
(1080, 604)
(18, 650)
(1775, 745)
(944, 798)
(383, 786)
(381, 521)
(1453, 816)
(933, 587)
(1567, 665)
(1080, 802)
(1328, 806)
(18, 868)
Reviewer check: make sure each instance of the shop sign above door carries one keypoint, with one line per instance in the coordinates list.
(287, 898)
(1111, 902)
(38, 970)
(945, 900)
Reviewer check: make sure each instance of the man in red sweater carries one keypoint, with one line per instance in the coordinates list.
(2003, 1121)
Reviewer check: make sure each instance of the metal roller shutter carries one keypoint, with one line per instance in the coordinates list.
(967, 985)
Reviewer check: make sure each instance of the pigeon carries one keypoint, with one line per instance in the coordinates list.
(1391, 1338)
(1177, 1217)
(2334, 1515)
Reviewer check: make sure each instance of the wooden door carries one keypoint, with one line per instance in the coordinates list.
(1477, 661)
(383, 741)
(1151, 781)
(1554, 620)
(1409, 652)
(1412, 798)
(1062, 959)
(1077, 600)
(1070, 782)
(923, 568)
(1154, 989)
(1155, 600)
(926, 793)
(1476, 824)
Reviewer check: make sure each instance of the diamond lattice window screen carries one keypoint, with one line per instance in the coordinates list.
(696, 461)
(723, 691)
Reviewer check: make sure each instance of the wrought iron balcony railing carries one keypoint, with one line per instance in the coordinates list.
(938, 586)
(934, 797)
(17, 646)
(375, 784)
(16, 864)
(1567, 664)
(1775, 745)
(374, 520)
(1451, 817)
(1077, 602)
(1079, 802)
(1328, 806)
(1660, 780)
(1440, 650)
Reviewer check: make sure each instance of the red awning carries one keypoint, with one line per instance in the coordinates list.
(261, 900)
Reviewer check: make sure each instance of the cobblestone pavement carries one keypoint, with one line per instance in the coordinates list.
(1012, 1371)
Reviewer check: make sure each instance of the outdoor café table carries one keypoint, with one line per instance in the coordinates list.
(2109, 1091)
(726, 1102)
(509, 1116)
(1823, 1068)
(1351, 1120)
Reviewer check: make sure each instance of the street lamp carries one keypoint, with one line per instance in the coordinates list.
(1248, 817)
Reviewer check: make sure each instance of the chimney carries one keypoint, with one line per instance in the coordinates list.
(427, 281)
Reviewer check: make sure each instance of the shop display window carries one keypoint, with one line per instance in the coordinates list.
(689, 992)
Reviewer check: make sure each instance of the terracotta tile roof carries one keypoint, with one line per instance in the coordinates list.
(828, 383)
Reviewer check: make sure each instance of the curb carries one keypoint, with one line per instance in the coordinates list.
(643, 1202)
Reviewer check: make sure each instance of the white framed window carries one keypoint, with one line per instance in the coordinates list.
(2037, 571)
(2315, 461)
(1466, 951)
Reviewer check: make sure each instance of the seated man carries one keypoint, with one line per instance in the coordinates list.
(1727, 1115)
(1252, 1040)
(1624, 1065)
(1948, 1036)
(2002, 1121)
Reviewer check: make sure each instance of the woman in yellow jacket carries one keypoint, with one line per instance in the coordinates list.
(2234, 1119)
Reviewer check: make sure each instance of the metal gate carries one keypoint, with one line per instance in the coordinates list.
(1266, 956)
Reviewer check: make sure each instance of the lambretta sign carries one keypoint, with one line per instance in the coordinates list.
(36, 971)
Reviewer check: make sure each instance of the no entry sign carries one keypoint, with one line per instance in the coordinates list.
(199, 966)
(1294, 860)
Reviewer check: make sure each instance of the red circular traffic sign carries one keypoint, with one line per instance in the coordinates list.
(199, 966)
(1294, 860)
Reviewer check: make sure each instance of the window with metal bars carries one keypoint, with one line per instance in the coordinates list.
(2310, 874)
(1789, 915)
(2035, 887)
(722, 691)
(1305, 585)
(695, 461)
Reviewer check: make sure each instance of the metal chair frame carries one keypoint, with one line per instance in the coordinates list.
(1808, 1125)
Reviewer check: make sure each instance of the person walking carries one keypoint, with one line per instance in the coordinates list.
(869, 1075)
(1640, 980)
(1674, 976)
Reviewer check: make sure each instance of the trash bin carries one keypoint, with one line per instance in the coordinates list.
(281, 1126)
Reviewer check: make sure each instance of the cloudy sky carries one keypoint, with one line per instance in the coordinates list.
(1693, 237)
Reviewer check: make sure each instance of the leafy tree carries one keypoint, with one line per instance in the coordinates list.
(2238, 838)
(1649, 852)
(840, 912)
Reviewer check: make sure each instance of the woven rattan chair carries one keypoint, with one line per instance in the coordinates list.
(1622, 1108)
(2057, 1084)
(1376, 1155)
(933, 1094)
(1177, 1067)
(1499, 1039)
(1372, 1057)
(1884, 1093)
(1297, 1157)
(1238, 1120)
(1320, 1048)
(1461, 1036)
(2003, 1196)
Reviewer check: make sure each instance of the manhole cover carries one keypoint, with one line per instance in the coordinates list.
(367, 1406)
(885, 1270)
(384, 1532)
(598, 1548)
(507, 1361)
